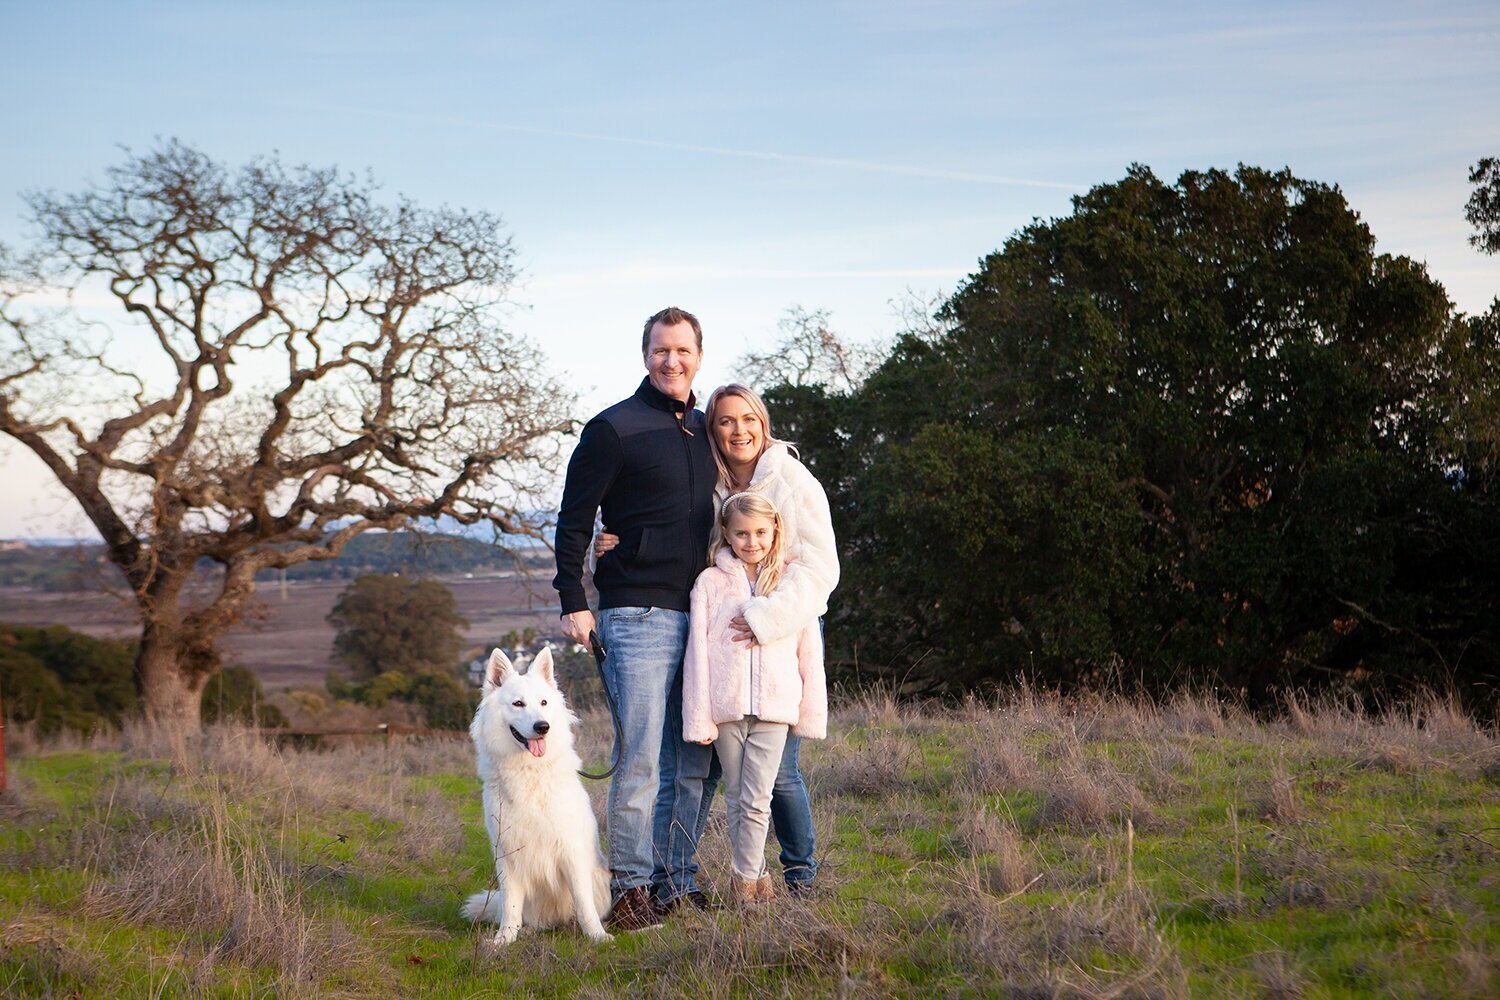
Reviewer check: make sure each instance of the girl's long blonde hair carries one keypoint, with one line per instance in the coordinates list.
(753, 505)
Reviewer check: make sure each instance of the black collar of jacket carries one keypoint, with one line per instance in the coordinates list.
(655, 398)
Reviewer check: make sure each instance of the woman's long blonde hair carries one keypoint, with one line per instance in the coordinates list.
(753, 505)
(757, 406)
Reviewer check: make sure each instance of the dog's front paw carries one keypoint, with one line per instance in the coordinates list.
(600, 936)
(505, 936)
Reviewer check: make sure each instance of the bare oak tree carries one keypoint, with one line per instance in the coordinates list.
(808, 353)
(290, 363)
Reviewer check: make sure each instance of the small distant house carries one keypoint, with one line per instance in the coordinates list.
(479, 663)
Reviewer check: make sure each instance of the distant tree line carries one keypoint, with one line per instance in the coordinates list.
(62, 568)
(418, 553)
(1194, 433)
(54, 568)
(55, 679)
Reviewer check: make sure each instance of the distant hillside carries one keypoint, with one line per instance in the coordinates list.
(54, 567)
(83, 566)
(409, 552)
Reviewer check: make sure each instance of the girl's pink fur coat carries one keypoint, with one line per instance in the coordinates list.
(781, 681)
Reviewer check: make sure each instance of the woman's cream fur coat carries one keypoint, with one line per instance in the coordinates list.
(812, 569)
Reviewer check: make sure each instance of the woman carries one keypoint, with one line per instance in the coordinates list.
(750, 459)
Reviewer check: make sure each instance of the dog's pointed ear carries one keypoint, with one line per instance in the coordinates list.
(497, 671)
(541, 665)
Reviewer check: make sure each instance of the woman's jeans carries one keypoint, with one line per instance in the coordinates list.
(791, 815)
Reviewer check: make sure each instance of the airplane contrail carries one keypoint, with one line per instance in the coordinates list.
(934, 173)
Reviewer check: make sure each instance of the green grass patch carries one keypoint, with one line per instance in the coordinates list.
(1257, 861)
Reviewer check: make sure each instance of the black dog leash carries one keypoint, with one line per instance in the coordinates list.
(614, 711)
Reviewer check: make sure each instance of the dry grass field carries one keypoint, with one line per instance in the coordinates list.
(287, 642)
(1026, 848)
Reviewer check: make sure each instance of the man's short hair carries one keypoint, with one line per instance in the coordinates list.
(671, 316)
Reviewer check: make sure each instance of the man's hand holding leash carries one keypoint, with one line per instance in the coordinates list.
(577, 625)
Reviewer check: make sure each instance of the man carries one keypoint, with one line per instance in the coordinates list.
(647, 464)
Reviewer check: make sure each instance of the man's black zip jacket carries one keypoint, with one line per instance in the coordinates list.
(653, 475)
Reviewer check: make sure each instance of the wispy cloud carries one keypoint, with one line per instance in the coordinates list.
(636, 274)
(1279, 28)
(828, 162)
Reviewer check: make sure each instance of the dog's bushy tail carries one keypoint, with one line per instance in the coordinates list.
(483, 906)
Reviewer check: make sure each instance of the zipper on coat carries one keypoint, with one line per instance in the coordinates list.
(753, 686)
(687, 453)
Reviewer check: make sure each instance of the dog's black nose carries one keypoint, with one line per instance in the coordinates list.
(541, 728)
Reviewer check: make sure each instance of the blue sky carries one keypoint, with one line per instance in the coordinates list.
(741, 159)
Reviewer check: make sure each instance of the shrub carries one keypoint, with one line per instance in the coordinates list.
(61, 679)
(234, 694)
(391, 623)
(444, 700)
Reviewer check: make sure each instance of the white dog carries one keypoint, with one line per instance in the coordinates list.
(542, 828)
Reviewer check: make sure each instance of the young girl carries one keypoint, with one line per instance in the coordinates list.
(742, 696)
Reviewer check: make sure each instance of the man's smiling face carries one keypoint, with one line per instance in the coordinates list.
(673, 359)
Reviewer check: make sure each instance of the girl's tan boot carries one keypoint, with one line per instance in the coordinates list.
(742, 892)
(765, 890)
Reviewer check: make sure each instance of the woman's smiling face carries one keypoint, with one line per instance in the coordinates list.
(738, 431)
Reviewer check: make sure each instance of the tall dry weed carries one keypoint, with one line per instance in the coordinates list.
(1279, 975)
(1428, 732)
(878, 767)
(877, 706)
(1279, 801)
(1297, 717)
(1434, 730)
(997, 853)
(1476, 966)
(23, 739)
(1165, 768)
(45, 956)
(1075, 799)
(220, 881)
(1013, 950)
(1194, 714)
(804, 950)
(1087, 793)
(13, 801)
(368, 779)
(997, 765)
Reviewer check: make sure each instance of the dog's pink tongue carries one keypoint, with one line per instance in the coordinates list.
(536, 746)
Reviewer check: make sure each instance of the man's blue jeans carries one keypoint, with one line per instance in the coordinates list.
(656, 795)
(791, 815)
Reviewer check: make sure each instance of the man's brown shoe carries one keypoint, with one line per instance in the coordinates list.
(633, 911)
